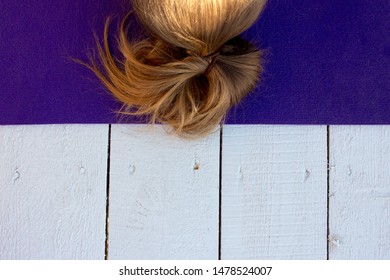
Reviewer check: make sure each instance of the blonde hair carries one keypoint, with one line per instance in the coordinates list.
(191, 70)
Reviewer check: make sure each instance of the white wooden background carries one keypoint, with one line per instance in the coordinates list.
(244, 192)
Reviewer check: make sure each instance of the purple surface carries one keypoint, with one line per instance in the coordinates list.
(328, 62)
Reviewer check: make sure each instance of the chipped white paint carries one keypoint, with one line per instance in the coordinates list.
(52, 191)
(274, 190)
(359, 192)
(164, 194)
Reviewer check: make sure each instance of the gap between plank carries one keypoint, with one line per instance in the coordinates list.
(328, 189)
(108, 190)
(220, 195)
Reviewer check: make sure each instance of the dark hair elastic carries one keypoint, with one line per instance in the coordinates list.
(212, 60)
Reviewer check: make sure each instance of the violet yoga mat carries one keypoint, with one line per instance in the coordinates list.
(327, 62)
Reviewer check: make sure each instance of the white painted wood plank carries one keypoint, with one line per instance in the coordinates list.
(53, 191)
(359, 200)
(164, 194)
(274, 192)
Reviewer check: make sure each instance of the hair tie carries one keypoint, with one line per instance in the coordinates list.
(211, 58)
(212, 62)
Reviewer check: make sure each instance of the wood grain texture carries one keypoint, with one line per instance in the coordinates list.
(359, 202)
(53, 191)
(164, 194)
(274, 192)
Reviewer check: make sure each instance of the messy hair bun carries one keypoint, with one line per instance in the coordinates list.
(192, 69)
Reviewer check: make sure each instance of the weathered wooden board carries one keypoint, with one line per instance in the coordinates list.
(164, 201)
(274, 192)
(53, 191)
(359, 200)
(164, 194)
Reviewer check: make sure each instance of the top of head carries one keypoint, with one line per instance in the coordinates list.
(201, 26)
(194, 67)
